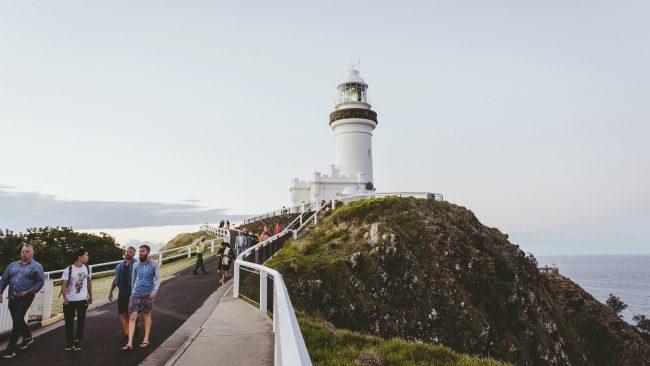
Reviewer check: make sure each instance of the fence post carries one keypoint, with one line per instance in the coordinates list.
(295, 234)
(189, 252)
(333, 204)
(235, 287)
(263, 292)
(47, 299)
(160, 259)
(212, 246)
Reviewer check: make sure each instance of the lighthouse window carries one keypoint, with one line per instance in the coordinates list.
(352, 92)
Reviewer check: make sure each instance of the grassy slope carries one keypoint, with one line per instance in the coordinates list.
(333, 347)
(184, 239)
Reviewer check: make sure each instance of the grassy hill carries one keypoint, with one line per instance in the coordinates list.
(429, 271)
(184, 239)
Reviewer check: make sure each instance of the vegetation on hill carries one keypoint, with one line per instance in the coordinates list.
(429, 271)
(335, 347)
(184, 239)
(54, 246)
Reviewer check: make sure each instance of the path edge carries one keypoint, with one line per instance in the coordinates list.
(175, 345)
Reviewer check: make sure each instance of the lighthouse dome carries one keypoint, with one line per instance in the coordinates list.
(352, 76)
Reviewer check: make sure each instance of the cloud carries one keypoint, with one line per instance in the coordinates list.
(20, 210)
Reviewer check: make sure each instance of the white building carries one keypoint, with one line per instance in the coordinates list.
(352, 123)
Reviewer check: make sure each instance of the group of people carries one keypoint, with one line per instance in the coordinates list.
(136, 280)
(224, 224)
(226, 257)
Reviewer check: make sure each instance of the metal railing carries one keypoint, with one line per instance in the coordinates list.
(290, 348)
(44, 300)
(283, 211)
(355, 197)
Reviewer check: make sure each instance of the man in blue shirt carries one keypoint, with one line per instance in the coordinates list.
(24, 278)
(122, 281)
(145, 281)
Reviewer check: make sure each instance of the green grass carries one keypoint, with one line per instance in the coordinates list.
(333, 347)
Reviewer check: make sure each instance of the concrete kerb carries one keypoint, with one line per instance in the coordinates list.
(176, 344)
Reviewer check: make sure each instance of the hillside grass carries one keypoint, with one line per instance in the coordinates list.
(184, 239)
(329, 346)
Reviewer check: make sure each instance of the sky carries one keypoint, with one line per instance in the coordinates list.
(534, 115)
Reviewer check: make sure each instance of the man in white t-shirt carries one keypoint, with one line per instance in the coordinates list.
(77, 293)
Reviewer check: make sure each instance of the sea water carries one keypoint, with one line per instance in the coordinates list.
(625, 276)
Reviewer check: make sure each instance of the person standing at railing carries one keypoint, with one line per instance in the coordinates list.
(145, 281)
(199, 249)
(266, 232)
(241, 242)
(122, 281)
(277, 229)
(77, 293)
(24, 278)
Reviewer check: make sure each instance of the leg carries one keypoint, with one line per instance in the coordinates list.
(124, 321)
(132, 319)
(26, 303)
(68, 317)
(147, 326)
(16, 330)
(200, 261)
(82, 307)
(196, 265)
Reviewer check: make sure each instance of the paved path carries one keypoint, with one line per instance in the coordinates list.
(177, 299)
(233, 323)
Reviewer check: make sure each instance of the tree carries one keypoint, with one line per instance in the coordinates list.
(642, 323)
(615, 304)
(54, 246)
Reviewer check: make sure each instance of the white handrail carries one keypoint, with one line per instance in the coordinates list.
(355, 197)
(290, 348)
(285, 210)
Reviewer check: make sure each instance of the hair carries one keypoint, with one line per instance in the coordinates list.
(145, 246)
(130, 247)
(79, 252)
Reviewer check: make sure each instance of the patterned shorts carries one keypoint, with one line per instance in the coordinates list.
(140, 303)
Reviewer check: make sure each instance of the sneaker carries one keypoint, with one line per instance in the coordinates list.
(9, 353)
(69, 347)
(77, 345)
(25, 343)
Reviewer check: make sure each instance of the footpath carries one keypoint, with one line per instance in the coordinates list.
(178, 298)
(236, 333)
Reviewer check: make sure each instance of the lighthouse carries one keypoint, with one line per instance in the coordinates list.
(352, 122)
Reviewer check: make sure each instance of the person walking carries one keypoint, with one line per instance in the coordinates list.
(240, 242)
(199, 249)
(122, 281)
(77, 291)
(228, 224)
(225, 257)
(24, 278)
(266, 232)
(145, 281)
(277, 229)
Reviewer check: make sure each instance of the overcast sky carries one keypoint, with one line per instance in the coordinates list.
(535, 115)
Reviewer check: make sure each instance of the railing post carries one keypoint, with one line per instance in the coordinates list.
(189, 252)
(160, 259)
(333, 204)
(263, 292)
(300, 219)
(212, 246)
(295, 234)
(235, 280)
(47, 299)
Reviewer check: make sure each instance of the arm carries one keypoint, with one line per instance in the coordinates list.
(90, 289)
(64, 286)
(40, 280)
(157, 278)
(114, 283)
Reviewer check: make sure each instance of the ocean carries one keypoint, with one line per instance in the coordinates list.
(625, 276)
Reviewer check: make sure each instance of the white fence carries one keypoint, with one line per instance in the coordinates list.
(283, 211)
(43, 301)
(350, 198)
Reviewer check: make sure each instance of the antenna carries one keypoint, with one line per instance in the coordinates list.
(355, 66)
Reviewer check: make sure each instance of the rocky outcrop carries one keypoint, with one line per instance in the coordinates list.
(429, 271)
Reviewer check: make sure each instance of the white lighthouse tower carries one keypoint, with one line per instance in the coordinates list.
(352, 123)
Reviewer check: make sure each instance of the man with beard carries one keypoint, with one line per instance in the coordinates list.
(145, 280)
(122, 281)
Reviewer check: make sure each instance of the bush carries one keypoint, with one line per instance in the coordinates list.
(54, 246)
(642, 323)
(615, 304)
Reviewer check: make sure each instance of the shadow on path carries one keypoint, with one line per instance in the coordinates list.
(178, 297)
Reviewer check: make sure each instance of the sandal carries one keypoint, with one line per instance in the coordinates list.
(127, 349)
(144, 344)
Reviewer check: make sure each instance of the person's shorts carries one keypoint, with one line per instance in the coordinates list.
(224, 266)
(140, 303)
(123, 302)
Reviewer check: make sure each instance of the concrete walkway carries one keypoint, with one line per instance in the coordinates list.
(235, 334)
